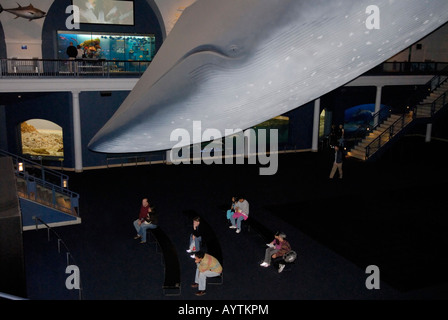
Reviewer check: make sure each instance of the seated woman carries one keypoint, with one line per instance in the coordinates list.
(231, 211)
(195, 237)
(276, 249)
(241, 213)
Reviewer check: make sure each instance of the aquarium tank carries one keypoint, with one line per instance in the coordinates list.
(108, 46)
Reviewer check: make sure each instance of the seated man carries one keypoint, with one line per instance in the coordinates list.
(241, 213)
(195, 237)
(207, 266)
(150, 222)
(141, 217)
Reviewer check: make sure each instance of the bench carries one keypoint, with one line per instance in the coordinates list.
(264, 232)
(254, 224)
(172, 282)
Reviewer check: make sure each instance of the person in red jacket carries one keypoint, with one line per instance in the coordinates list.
(141, 217)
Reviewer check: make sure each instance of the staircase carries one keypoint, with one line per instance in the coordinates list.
(379, 135)
(432, 103)
(43, 194)
(395, 124)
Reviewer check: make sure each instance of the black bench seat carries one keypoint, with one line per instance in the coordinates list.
(172, 282)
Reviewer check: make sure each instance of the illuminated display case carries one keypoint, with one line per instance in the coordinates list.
(108, 46)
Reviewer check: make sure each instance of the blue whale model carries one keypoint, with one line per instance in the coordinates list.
(234, 64)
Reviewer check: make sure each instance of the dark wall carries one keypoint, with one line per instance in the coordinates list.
(344, 98)
(96, 110)
(51, 106)
(396, 97)
(301, 126)
(2, 43)
(12, 266)
(145, 21)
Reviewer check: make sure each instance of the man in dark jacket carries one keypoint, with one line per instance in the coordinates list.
(337, 164)
(72, 52)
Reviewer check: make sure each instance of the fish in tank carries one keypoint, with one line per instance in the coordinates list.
(109, 46)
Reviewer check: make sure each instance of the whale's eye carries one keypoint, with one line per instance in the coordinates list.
(234, 50)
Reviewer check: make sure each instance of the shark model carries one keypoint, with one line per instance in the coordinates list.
(235, 64)
(28, 12)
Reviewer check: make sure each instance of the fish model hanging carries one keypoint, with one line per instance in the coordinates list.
(28, 12)
(235, 64)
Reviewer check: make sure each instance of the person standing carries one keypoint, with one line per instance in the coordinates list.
(340, 136)
(337, 164)
(71, 52)
(207, 266)
(80, 52)
(333, 136)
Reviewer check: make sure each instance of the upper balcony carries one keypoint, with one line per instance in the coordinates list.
(50, 68)
(94, 68)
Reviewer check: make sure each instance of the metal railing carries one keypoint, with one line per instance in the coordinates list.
(69, 257)
(71, 68)
(429, 109)
(35, 176)
(417, 111)
(15, 67)
(416, 68)
(440, 78)
(388, 134)
(351, 139)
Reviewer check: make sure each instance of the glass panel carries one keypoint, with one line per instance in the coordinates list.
(107, 46)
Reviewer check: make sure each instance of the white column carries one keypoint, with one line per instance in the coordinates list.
(315, 141)
(77, 131)
(377, 103)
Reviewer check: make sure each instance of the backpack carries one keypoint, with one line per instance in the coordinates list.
(290, 256)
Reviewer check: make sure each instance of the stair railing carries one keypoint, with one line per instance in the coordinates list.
(360, 134)
(34, 174)
(23, 165)
(404, 119)
(435, 106)
(388, 134)
(69, 256)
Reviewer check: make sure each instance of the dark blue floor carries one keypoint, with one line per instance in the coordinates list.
(390, 213)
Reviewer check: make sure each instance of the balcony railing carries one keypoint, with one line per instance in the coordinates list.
(71, 68)
(408, 68)
(134, 68)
